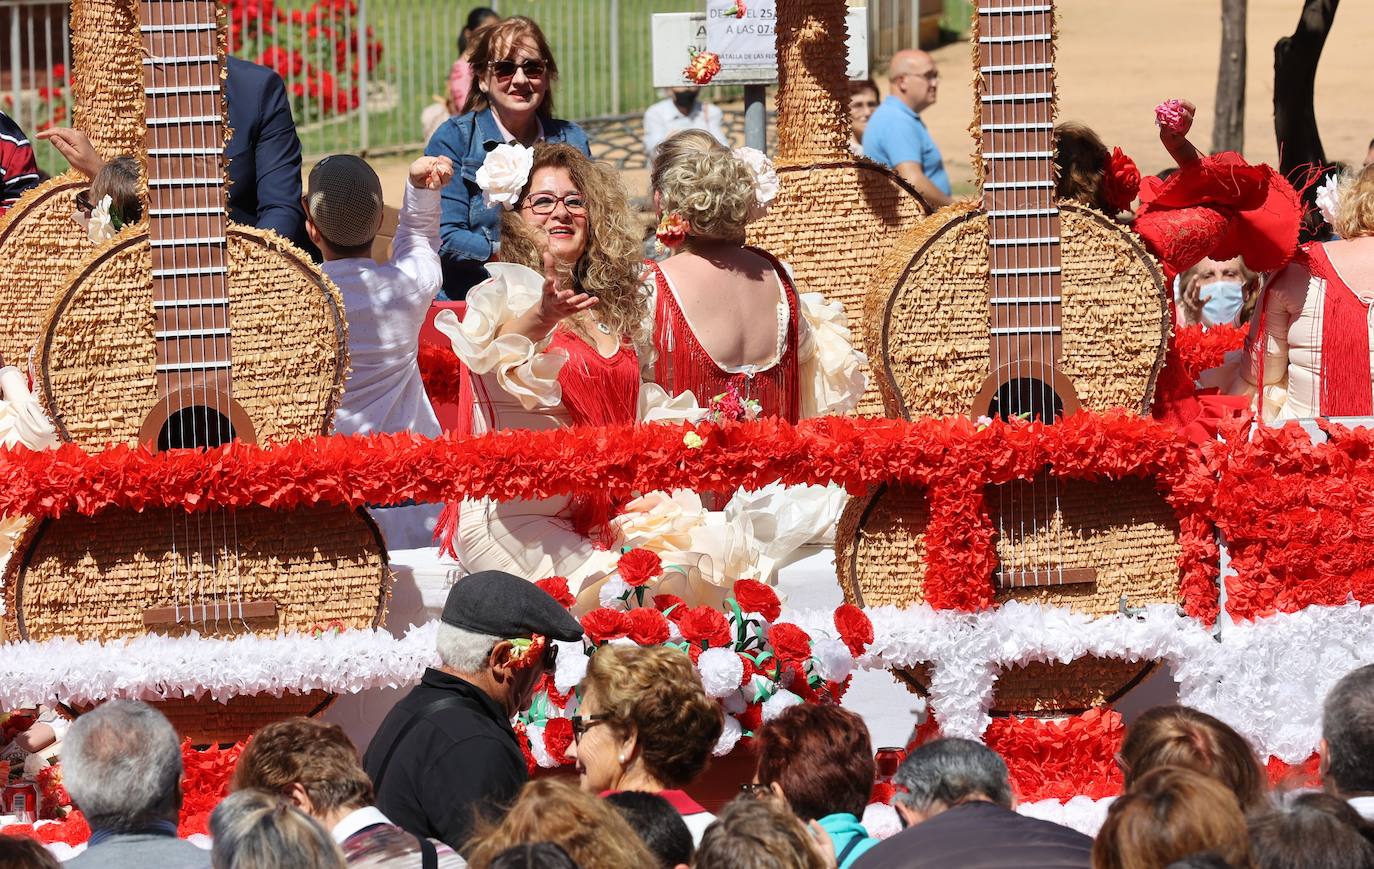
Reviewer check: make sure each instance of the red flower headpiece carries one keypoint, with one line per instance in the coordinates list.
(525, 653)
(1121, 182)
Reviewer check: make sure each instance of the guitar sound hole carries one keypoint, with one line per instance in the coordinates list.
(1026, 398)
(195, 427)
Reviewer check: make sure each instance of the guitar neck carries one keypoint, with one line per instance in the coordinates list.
(1014, 41)
(183, 74)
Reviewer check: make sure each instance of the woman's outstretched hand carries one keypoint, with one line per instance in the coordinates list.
(558, 303)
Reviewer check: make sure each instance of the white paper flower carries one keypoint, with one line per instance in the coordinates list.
(729, 736)
(721, 671)
(504, 174)
(100, 228)
(774, 706)
(571, 667)
(612, 591)
(766, 181)
(535, 732)
(881, 821)
(833, 661)
(1329, 197)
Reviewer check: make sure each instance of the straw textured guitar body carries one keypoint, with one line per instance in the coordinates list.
(1025, 308)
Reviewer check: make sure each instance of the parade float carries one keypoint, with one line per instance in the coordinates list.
(1020, 577)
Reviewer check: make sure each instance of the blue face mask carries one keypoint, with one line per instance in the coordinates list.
(1224, 301)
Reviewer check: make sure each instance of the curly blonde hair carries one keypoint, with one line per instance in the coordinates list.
(698, 178)
(1355, 217)
(658, 693)
(611, 266)
(592, 832)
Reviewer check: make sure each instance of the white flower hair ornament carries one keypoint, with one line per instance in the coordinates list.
(766, 181)
(1328, 197)
(504, 174)
(103, 224)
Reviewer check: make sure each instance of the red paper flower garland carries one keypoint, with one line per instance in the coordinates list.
(1199, 349)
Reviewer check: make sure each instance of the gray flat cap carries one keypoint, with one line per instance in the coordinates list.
(502, 604)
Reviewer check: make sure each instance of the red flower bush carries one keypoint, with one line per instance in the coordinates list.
(755, 597)
(647, 627)
(556, 587)
(601, 625)
(855, 628)
(638, 566)
(704, 626)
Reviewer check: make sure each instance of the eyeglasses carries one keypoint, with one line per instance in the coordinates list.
(83, 202)
(507, 68)
(581, 724)
(545, 203)
(756, 789)
(933, 75)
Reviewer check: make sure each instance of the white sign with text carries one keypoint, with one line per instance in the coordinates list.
(742, 42)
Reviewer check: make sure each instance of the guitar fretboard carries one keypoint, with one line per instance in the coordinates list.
(1016, 93)
(187, 219)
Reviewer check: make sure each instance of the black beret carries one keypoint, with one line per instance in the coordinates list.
(503, 605)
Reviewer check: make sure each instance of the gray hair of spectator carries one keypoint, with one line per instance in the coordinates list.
(253, 829)
(464, 651)
(1348, 728)
(952, 771)
(121, 763)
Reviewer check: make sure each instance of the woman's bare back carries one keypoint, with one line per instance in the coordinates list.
(1353, 260)
(730, 297)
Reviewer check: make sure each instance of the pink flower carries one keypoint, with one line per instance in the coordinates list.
(1171, 115)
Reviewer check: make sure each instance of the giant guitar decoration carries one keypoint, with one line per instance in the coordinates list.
(1023, 307)
(188, 331)
(835, 214)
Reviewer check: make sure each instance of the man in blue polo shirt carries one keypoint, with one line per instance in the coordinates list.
(897, 137)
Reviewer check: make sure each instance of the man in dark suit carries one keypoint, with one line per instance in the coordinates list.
(954, 797)
(264, 154)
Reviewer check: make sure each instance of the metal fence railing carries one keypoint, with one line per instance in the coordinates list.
(359, 73)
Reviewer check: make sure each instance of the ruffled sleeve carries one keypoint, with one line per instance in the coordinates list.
(525, 369)
(656, 405)
(22, 420)
(831, 375)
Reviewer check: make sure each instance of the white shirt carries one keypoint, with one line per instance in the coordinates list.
(1363, 805)
(663, 119)
(386, 306)
(358, 819)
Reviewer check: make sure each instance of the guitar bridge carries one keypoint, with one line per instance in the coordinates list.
(209, 613)
(1045, 577)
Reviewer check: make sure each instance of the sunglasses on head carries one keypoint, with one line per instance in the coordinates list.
(83, 202)
(507, 68)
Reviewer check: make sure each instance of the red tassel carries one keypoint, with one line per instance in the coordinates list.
(1345, 372)
(446, 529)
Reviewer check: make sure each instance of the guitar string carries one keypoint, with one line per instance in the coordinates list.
(995, 197)
(1056, 282)
(1019, 113)
(222, 203)
(1033, 226)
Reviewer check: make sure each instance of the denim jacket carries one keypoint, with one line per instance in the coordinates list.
(468, 227)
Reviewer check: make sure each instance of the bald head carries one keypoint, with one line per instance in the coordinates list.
(915, 79)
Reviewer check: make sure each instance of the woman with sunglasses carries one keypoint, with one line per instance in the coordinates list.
(644, 723)
(558, 337)
(512, 102)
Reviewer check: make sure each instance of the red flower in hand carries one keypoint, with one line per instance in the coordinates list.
(855, 628)
(556, 587)
(638, 566)
(558, 735)
(755, 597)
(605, 624)
(705, 625)
(1121, 183)
(647, 627)
(790, 643)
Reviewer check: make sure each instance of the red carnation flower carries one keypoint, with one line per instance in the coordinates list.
(638, 566)
(751, 719)
(665, 602)
(755, 597)
(1121, 183)
(605, 624)
(558, 735)
(523, 738)
(647, 627)
(855, 628)
(556, 587)
(705, 625)
(790, 643)
(882, 792)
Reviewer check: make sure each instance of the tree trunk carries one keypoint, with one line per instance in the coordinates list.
(1228, 131)
(1295, 78)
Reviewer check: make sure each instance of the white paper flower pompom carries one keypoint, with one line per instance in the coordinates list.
(721, 671)
(571, 667)
(612, 591)
(100, 228)
(504, 174)
(833, 661)
(881, 821)
(766, 181)
(774, 706)
(729, 737)
(1328, 197)
(535, 734)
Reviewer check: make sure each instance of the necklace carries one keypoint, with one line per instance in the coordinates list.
(603, 328)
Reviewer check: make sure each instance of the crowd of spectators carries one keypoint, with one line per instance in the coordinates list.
(456, 793)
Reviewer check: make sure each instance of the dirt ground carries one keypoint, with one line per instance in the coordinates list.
(1119, 58)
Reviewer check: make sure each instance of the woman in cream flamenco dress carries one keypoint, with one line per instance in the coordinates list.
(573, 346)
(1309, 350)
